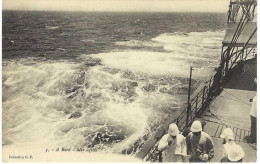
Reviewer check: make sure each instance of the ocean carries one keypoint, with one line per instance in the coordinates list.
(100, 80)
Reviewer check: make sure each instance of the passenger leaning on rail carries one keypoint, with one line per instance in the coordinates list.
(232, 152)
(199, 144)
(173, 145)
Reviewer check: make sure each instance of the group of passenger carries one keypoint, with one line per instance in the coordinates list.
(197, 146)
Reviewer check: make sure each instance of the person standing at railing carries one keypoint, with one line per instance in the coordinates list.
(199, 144)
(173, 145)
(232, 152)
(253, 115)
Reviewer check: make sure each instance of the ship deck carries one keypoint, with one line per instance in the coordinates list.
(231, 109)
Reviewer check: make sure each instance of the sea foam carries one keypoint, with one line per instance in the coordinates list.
(105, 101)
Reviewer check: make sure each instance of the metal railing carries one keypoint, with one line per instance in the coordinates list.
(183, 118)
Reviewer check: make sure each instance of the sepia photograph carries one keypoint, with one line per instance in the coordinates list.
(129, 81)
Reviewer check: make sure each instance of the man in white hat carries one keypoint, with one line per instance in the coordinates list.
(173, 145)
(232, 151)
(199, 144)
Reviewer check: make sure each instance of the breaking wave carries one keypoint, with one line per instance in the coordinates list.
(138, 43)
(81, 105)
(52, 27)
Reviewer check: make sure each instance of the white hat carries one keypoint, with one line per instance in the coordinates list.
(173, 130)
(196, 126)
(234, 151)
(227, 133)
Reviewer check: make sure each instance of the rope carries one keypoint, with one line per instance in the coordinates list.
(245, 44)
(238, 31)
(243, 21)
(227, 126)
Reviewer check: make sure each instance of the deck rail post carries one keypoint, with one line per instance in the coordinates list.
(203, 96)
(189, 104)
(188, 114)
(160, 156)
(196, 111)
(209, 85)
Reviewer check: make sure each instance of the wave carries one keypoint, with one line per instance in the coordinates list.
(138, 43)
(193, 43)
(52, 27)
(157, 63)
(190, 41)
(61, 49)
(80, 105)
(105, 101)
(88, 41)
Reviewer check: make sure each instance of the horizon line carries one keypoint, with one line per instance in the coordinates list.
(115, 11)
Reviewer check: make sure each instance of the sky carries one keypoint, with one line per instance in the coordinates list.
(119, 5)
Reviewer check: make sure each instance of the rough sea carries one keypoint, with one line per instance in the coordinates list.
(100, 80)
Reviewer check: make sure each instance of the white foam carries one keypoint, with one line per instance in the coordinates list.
(192, 38)
(35, 103)
(153, 63)
(52, 27)
(32, 103)
(35, 98)
(138, 43)
(180, 41)
(198, 49)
